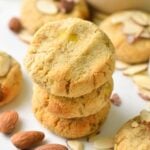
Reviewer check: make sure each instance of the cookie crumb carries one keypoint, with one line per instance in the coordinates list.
(115, 99)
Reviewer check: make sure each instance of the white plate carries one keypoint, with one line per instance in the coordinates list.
(131, 104)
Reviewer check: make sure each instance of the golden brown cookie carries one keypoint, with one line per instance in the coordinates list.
(10, 78)
(130, 34)
(135, 134)
(72, 128)
(35, 13)
(70, 58)
(72, 107)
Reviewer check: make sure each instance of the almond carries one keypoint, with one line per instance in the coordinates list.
(145, 94)
(4, 64)
(8, 121)
(103, 142)
(51, 147)
(121, 65)
(115, 99)
(15, 25)
(75, 145)
(67, 6)
(131, 28)
(142, 81)
(120, 19)
(135, 69)
(47, 6)
(27, 139)
(140, 18)
(25, 36)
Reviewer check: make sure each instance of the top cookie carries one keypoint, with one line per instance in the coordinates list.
(70, 57)
(130, 34)
(35, 13)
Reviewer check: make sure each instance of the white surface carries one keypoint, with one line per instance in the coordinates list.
(131, 104)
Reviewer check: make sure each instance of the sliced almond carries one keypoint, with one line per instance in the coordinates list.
(135, 69)
(145, 115)
(145, 94)
(140, 18)
(25, 36)
(130, 28)
(75, 145)
(103, 143)
(120, 18)
(142, 81)
(4, 64)
(47, 6)
(121, 65)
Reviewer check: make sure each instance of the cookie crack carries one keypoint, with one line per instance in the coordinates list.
(67, 87)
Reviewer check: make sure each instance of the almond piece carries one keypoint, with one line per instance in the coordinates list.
(8, 121)
(145, 116)
(4, 64)
(47, 6)
(103, 143)
(25, 36)
(115, 99)
(75, 145)
(51, 147)
(134, 69)
(145, 94)
(142, 81)
(27, 139)
(121, 65)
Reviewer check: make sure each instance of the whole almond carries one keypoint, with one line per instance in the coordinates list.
(52, 147)
(27, 139)
(15, 25)
(8, 121)
(66, 6)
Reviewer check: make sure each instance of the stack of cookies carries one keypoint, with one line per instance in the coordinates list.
(71, 63)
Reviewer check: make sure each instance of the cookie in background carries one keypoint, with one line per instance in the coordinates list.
(10, 78)
(135, 133)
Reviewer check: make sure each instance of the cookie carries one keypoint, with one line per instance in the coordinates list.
(72, 128)
(10, 78)
(35, 13)
(72, 107)
(70, 58)
(134, 134)
(130, 34)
